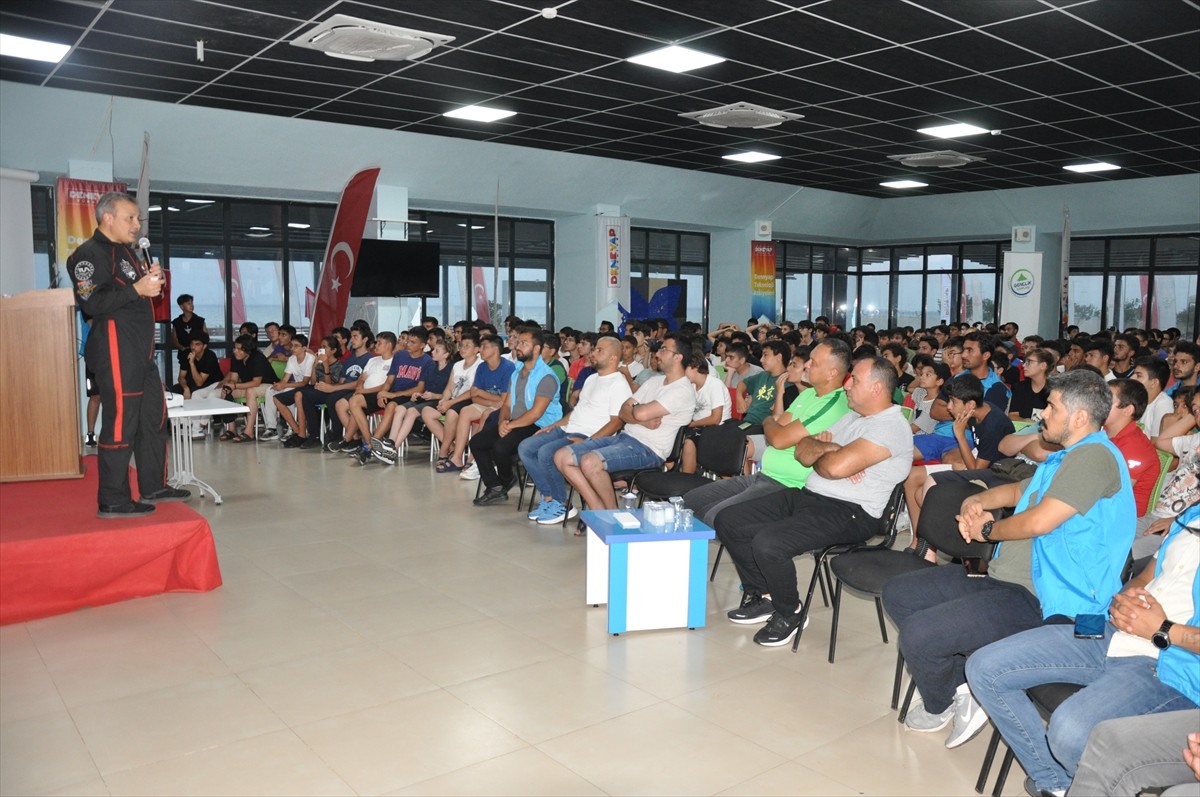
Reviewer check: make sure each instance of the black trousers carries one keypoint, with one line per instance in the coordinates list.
(763, 536)
(134, 413)
(313, 398)
(494, 454)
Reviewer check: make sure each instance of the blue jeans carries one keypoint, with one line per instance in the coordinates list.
(619, 452)
(537, 455)
(1126, 686)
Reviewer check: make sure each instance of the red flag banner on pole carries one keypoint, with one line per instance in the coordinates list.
(480, 295)
(310, 301)
(341, 255)
(237, 303)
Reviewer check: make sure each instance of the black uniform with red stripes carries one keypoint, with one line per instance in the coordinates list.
(120, 351)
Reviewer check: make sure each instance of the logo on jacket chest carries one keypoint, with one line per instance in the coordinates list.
(129, 271)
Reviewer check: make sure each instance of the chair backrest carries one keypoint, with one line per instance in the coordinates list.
(938, 526)
(672, 460)
(278, 366)
(1164, 462)
(907, 412)
(721, 450)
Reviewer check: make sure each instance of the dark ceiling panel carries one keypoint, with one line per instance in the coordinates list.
(1058, 77)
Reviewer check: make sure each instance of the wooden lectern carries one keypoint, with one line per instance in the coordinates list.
(39, 387)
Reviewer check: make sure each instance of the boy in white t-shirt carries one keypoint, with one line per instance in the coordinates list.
(296, 373)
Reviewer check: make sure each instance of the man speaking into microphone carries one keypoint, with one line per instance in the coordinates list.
(115, 290)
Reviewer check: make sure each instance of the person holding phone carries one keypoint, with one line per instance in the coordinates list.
(1146, 660)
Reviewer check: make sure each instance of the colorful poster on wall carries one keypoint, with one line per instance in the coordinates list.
(762, 279)
(76, 213)
(612, 259)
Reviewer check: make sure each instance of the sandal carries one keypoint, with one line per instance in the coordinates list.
(241, 437)
(226, 435)
(447, 466)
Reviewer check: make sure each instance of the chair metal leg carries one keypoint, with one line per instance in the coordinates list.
(908, 696)
(879, 611)
(837, 608)
(819, 575)
(717, 561)
(570, 497)
(988, 757)
(812, 587)
(1002, 776)
(899, 680)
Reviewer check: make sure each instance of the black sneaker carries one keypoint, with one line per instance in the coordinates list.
(493, 495)
(384, 453)
(754, 609)
(90, 440)
(349, 446)
(295, 441)
(363, 456)
(130, 510)
(309, 442)
(334, 445)
(779, 630)
(270, 433)
(166, 494)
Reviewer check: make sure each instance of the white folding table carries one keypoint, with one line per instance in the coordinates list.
(181, 417)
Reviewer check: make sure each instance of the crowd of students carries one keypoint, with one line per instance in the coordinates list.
(1047, 450)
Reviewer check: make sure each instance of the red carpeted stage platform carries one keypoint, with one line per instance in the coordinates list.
(57, 556)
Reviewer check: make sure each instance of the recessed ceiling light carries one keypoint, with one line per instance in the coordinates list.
(261, 229)
(154, 208)
(1099, 166)
(904, 184)
(172, 208)
(956, 130)
(473, 226)
(200, 201)
(33, 49)
(675, 59)
(751, 157)
(298, 225)
(477, 113)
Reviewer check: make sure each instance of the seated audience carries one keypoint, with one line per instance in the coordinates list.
(1154, 374)
(399, 418)
(327, 369)
(492, 378)
(280, 396)
(375, 378)
(1129, 400)
(1030, 394)
(455, 398)
(1141, 755)
(856, 463)
(247, 370)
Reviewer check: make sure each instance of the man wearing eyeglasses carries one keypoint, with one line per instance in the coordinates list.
(652, 418)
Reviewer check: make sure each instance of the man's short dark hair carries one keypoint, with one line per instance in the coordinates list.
(551, 340)
(805, 324)
(1156, 369)
(288, 328)
(246, 343)
(345, 333)
(1188, 348)
(987, 343)
(894, 349)
(535, 333)
(1000, 360)
(429, 319)
(200, 335)
(931, 341)
(270, 324)
(1084, 389)
(1131, 392)
(420, 333)
(839, 350)
(184, 297)
(390, 337)
(589, 338)
(738, 350)
(1099, 344)
(300, 338)
(866, 352)
(966, 387)
(884, 373)
(469, 334)
(779, 347)
(696, 360)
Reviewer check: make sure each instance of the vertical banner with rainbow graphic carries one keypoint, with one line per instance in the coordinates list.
(612, 260)
(75, 202)
(762, 279)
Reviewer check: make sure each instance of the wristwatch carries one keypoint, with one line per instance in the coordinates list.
(986, 530)
(1162, 637)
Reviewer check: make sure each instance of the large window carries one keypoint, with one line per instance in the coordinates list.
(1135, 282)
(472, 287)
(661, 257)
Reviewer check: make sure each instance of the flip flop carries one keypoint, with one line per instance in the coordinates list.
(241, 437)
(226, 435)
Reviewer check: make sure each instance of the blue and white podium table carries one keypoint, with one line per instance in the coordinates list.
(648, 578)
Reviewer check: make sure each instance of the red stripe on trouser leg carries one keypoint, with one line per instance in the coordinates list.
(114, 360)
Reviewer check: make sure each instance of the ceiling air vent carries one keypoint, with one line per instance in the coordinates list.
(741, 114)
(357, 39)
(942, 159)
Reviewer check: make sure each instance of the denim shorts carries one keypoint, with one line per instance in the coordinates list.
(619, 452)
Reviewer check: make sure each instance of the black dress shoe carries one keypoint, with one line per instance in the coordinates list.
(130, 510)
(166, 494)
(493, 495)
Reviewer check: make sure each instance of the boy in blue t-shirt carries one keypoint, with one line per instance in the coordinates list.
(492, 378)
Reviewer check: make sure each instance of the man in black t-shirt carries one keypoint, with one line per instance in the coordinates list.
(184, 328)
(200, 376)
(248, 369)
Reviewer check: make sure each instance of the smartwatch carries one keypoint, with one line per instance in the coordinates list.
(986, 530)
(1162, 637)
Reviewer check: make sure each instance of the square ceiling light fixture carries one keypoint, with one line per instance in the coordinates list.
(355, 39)
(1084, 168)
(33, 49)
(955, 130)
(751, 157)
(904, 184)
(675, 59)
(477, 113)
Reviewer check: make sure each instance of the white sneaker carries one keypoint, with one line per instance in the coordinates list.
(969, 718)
(469, 473)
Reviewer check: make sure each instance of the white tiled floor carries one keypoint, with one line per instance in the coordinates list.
(376, 634)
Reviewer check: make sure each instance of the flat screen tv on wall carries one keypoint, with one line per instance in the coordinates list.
(396, 268)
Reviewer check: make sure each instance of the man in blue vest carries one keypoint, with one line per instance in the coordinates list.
(529, 405)
(1059, 555)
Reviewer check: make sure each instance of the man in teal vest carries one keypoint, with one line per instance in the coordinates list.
(529, 405)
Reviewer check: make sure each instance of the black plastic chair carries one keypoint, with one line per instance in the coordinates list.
(630, 477)
(867, 568)
(720, 453)
(1046, 699)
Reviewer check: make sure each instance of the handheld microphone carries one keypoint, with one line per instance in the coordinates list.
(144, 245)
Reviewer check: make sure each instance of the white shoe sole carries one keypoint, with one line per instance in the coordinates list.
(552, 521)
(977, 723)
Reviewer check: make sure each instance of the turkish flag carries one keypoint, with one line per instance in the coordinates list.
(310, 301)
(337, 272)
(479, 294)
(238, 304)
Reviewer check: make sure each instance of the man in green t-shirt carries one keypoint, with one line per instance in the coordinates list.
(813, 411)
